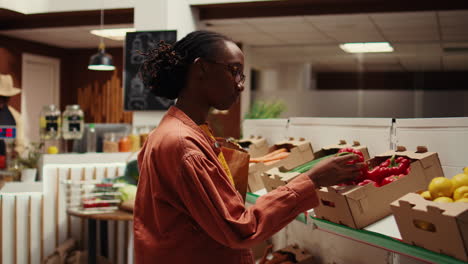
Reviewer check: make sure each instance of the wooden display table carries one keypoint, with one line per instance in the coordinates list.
(118, 215)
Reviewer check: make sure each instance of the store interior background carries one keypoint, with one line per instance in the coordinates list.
(294, 58)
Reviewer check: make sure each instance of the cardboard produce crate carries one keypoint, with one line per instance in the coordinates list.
(301, 255)
(256, 146)
(300, 152)
(440, 227)
(280, 176)
(289, 254)
(360, 206)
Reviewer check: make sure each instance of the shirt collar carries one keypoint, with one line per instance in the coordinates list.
(179, 114)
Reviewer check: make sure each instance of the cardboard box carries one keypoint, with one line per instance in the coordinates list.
(256, 146)
(258, 250)
(360, 206)
(440, 227)
(300, 255)
(300, 152)
(332, 149)
(280, 176)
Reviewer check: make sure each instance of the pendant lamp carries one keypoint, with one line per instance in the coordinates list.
(101, 61)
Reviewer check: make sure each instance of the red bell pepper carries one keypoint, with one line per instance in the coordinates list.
(376, 174)
(360, 158)
(391, 179)
(390, 167)
(353, 151)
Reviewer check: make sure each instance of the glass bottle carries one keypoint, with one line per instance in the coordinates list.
(91, 139)
(49, 122)
(73, 122)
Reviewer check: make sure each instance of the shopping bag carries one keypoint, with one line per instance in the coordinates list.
(237, 160)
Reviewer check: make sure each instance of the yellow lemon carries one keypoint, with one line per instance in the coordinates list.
(465, 170)
(426, 195)
(440, 186)
(52, 150)
(460, 192)
(424, 225)
(459, 180)
(443, 200)
(462, 200)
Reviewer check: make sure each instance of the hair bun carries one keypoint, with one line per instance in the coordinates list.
(160, 69)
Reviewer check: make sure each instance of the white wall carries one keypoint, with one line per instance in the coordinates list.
(162, 15)
(374, 103)
(46, 6)
(295, 85)
(18, 6)
(246, 94)
(204, 2)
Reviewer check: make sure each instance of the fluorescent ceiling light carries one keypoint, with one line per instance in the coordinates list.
(366, 47)
(112, 33)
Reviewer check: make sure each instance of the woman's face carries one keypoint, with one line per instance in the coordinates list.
(225, 79)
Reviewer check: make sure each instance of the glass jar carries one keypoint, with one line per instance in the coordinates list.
(134, 140)
(73, 122)
(124, 144)
(49, 123)
(144, 131)
(110, 142)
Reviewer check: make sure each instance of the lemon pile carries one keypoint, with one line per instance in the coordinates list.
(444, 190)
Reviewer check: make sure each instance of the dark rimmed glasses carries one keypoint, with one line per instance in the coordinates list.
(235, 69)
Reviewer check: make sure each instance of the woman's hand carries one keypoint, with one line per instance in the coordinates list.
(334, 170)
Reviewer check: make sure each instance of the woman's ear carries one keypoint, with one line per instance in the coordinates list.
(200, 66)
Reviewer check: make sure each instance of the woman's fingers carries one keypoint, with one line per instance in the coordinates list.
(346, 158)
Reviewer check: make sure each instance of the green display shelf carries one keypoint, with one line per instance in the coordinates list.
(251, 198)
(385, 242)
(373, 239)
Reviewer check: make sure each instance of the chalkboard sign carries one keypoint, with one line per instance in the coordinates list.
(136, 95)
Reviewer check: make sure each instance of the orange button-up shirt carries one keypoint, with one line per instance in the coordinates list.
(187, 210)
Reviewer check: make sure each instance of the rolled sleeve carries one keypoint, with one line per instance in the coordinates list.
(216, 207)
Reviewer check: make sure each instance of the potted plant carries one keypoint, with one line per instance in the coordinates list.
(28, 162)
(262, 109)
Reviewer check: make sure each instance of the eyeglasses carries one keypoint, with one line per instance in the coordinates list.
(235, 69)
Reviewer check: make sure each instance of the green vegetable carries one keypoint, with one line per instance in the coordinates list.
(131, 174)
(128, 192)
(307, 166)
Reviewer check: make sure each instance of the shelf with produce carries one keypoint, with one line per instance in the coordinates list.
(385, 242)
(382, 234)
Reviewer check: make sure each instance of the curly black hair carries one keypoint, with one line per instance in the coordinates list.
(165, 68)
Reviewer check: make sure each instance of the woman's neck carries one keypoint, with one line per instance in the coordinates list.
(196, 111)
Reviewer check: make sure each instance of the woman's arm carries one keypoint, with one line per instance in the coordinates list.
(217, 208)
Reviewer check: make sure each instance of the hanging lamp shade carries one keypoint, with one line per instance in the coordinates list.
(101, 61)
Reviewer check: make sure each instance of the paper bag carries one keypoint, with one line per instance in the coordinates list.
(238, 163)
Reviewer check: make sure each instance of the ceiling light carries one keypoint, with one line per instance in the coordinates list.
(112, 33)
(101, 61)
(366, 47)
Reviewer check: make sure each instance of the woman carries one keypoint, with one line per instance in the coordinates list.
(187, 209)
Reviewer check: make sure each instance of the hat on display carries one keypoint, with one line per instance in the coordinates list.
(6, 86)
